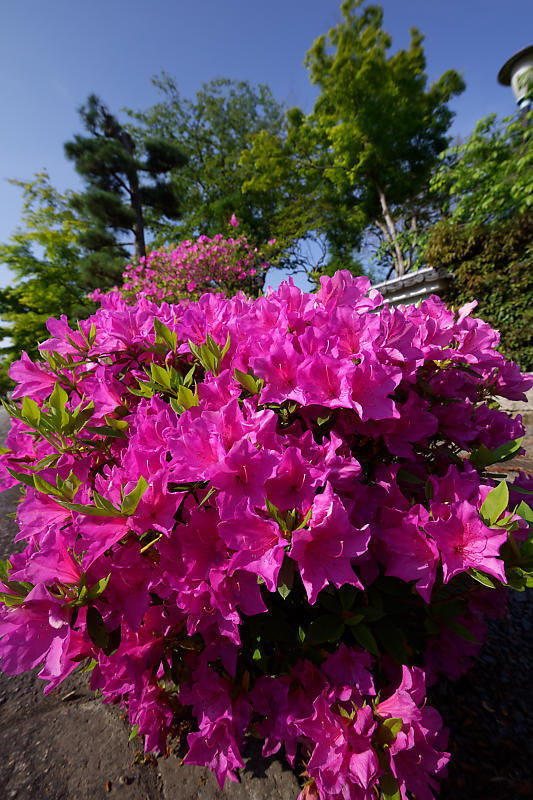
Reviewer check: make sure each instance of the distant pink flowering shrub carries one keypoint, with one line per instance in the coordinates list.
(192, 268)
(267, 515)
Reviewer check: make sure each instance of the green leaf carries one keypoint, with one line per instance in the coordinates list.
(354, 619)
(96, 628)
(11, 600)
(98, 588)
(364, 636)
(134, 732)
(371, 613)
(483, 457)
(226, 347)
(91, 511)
(348, 596)
(117, 424)
(461, 631)
(31, 412)
(392, 641)
(330, 601)
(106, 430)
(186, 398)
(108, 641)
(160, 375)
(144, 390)
(5, 568)
(408, 477)
(165, 334)
(275, 514)
(328, 628)
(57, 405)
(114, 641)
(27, 480)
(525, 511)
(286, 577)
(103, 503)
(247, 381)
(46, 488)
(495, 504)
(131, 500)
(389, 787)
(69, 486)
(480, 577)
(207, 496)
(389, 729)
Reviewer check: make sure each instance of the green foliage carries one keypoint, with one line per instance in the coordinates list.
(368, 148)
(114, 202)
(215, 130)
(486, 238)
(488, 178)
(43, 254)
(309, 208)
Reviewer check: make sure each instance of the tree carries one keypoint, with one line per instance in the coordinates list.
(291, 162)
(489, 177)
(115, 201)
(44, 255)
(375, 132)
(485, 236)
(216, 130)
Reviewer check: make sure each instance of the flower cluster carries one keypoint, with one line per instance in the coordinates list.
(194, 267)
(267, 516)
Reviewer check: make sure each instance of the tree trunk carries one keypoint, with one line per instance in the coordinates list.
(411, 252)
(391, 233)
(135, 195)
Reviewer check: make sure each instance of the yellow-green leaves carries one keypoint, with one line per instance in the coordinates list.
(163, 335)
(495, 504)
(131, 500)
(248, 381)
(210, 354)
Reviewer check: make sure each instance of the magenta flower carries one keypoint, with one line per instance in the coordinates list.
(464, 541)
(324, 550)
(343, 761)
(348, 670)
(32, 380)
(410, 554)
(257, 544)
(294, 484)
(38, 632)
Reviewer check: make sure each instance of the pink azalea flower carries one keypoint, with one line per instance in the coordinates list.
(32, 380)
(257, 542)
(325, 549)
(409, 552)
(38, 632)
(348, 669)
(464, 541)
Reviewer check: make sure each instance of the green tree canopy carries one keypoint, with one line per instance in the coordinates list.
(374, 136)
(489, 177)
(485, 236)
(114, 201)
(214, 130)
(44, 255)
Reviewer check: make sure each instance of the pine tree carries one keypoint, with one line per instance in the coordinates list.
(115, 200)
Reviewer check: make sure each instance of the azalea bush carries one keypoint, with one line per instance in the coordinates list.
(194, 267)
(270, 518)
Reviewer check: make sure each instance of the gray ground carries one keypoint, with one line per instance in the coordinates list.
(69, 745)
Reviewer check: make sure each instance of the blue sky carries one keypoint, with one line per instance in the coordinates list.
(53, 54)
